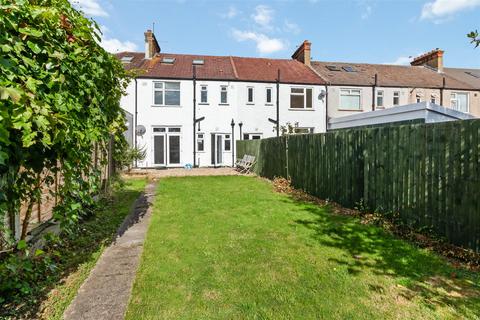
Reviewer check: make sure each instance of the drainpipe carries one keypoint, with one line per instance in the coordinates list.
(373, 92)
(135, 122)
(326, 107)
(232, 146)
(278, 103)
(194, 116)
(441, 92)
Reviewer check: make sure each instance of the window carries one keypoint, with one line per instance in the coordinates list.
(166, 93)
(203, 94)
(227, 143)
(252, 136)
(396, 98)
(174, 130)
(127, 59)
(198, 62)
(380, 98)
(268, 96)
(250, 95)
(300, 130)
(418, 99)
(158, 129)
(200, 142)
(433, 99)
(459, 101)
(168, 60)
(349, 69)
(223, 95)
(301, 98)
(350, 99)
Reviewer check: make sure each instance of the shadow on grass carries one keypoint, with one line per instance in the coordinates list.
(369, 248)
(83, 247)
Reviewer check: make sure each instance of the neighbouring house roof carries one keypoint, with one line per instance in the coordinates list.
(363, 74)
(470, 76)
(220, 68)
(425, 112)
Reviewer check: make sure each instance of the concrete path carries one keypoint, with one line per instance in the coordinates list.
(181, 172)
(106, 292)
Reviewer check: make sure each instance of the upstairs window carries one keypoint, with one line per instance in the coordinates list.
(396, 98)
(350, 99)
(418, 99)
(203, 94)
(166, 93)
(459, 101)
(250, 95)
(268, 96)
(301, 98)
(433, 99)
(223, 95)
(380, 98)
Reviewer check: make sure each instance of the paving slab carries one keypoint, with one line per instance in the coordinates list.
(106, 292)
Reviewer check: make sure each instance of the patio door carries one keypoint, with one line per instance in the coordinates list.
(216, 149)
(159, 149)
(173, 149)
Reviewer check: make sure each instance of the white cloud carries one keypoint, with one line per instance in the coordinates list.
(114, 45)
(291, 27)
(231, 13)
(443, 9)
(265, 44)
(263, 16)
(366, 14)
(90, 7)
(401, 61)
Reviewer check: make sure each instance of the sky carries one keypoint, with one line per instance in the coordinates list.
(387, 31)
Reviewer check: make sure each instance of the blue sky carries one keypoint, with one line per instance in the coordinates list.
(348, 30)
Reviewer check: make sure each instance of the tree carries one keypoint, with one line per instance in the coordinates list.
(475, 38)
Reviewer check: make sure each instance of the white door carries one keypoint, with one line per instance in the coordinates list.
(216, 149)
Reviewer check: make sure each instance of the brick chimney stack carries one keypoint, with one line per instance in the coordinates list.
(151, 45)
(302, 54)
(432, 59)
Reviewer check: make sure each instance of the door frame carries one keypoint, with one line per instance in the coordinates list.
(166, 153)
(216, 152)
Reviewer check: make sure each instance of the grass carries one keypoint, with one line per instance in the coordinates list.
(80, 253)
(231, 248)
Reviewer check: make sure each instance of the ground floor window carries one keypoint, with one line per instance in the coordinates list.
(303, 130)
(200, 142)
(252, 136)
(227, 143)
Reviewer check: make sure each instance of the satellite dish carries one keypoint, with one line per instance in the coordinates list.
(140, 130)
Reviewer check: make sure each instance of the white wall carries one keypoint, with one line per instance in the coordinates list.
(218, 117)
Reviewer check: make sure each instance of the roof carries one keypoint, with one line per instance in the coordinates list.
(222, 68)
(425, 111)
(388, 76)
(470, 76)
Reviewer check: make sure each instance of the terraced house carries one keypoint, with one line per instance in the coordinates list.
(189, 109)
(357, 87)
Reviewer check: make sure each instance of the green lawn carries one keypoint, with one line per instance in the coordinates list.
(231, 248)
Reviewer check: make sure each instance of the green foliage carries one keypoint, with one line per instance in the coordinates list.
(59, 101)
(475, 39)
(59, 98)
(127, 159)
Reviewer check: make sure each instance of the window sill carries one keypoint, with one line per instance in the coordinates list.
(268, 104)
(301, 109)
(163, 106)
(350, 110)
(223, 104)
(250, 104)
(204, 104)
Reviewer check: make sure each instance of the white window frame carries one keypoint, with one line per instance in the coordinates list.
(452, 100)
(200, 139)
(360, 107)
(248, 95)
(203, 90)
(227, 137)
(396, 94)
(380, 94)
(304, 94)
(164, 90)
(224, 89)
(271, 96)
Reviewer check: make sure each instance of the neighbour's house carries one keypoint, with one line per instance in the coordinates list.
(358, 87)
(189, 109)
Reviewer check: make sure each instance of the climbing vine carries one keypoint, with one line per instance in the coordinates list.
(59, 101)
